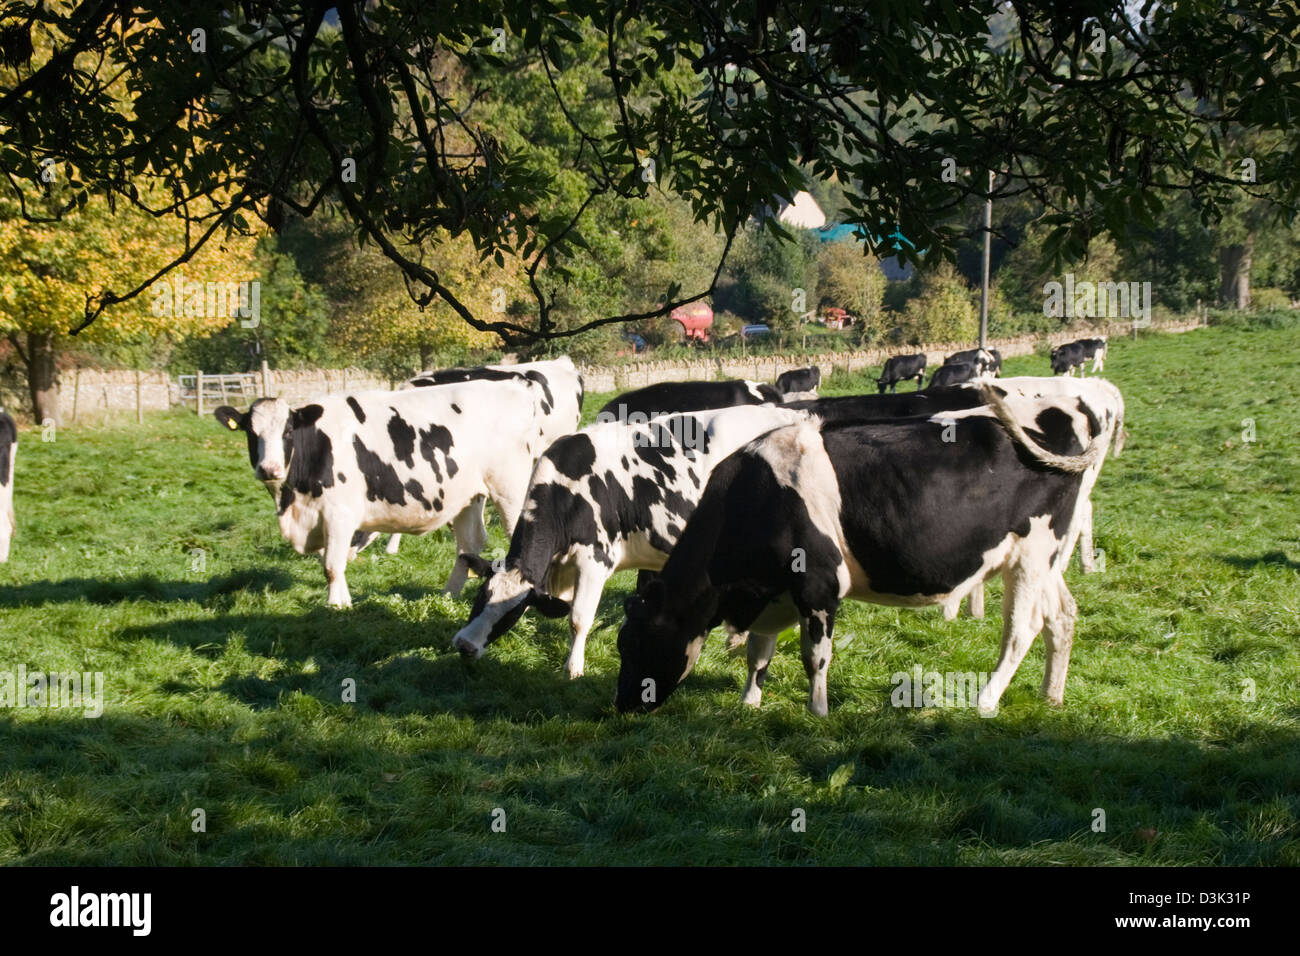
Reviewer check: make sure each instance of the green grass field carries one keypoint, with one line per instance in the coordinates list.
(224, 683)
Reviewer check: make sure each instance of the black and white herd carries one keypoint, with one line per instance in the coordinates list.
(741, 503)
(745, 504)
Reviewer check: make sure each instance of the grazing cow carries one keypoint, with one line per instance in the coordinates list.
(1066, 358)
(8, 450)
(403, 461)
(800, 384)
(1094, 349)
(886, 512)
(987, 361)
(668, 397)
(901, 368)
(615, 496)
(609, 497)
(955, 373)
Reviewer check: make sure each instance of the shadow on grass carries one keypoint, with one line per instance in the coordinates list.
(147, 587)
(1270, 558)
(685, 788)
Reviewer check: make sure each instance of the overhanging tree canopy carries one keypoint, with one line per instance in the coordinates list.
(1097, 109)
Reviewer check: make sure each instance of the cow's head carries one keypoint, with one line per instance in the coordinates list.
(267, 425)
(657, 648)
(501, 601)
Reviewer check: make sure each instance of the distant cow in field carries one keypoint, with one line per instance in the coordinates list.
(954, 373)
(800, 384)
(1095, 349)
(404, 461)
(1066, 358)
(986, 361)
(8, 450)
(668, 397)
(901, 368)
(886, 512)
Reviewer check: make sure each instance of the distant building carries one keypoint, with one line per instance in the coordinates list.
(802, 212)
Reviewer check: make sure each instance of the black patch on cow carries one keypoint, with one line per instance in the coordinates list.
(437, 438)
(562, 519)
(548, 401)
(416, 491)
(8, 438)
(668, 397)
(403, 436)
(310, 454)
(455, 408)
(573, 456)
(356, 409)
(343, 479)
(286, 498)
(381, 478)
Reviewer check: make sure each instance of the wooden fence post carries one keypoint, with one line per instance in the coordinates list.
(266, 379)
(139, 407)
(76, 392)
(198, 393)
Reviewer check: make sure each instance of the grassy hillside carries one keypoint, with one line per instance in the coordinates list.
(224, 674)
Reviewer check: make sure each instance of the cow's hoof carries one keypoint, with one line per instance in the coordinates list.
(818, 708)
(988, 711)
(575, 671)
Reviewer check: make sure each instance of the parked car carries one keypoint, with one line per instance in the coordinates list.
(755, 332)
(637, 342)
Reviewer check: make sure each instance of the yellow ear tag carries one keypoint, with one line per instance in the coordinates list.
(230, 423)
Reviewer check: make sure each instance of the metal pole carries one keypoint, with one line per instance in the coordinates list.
(984, 285)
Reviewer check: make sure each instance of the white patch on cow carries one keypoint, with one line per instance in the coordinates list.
(267, 420)
(505, 590)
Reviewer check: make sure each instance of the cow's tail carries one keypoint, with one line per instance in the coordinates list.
(1091, 456)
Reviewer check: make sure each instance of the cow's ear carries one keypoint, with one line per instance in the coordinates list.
(478, 566)
(653, 594)
(229, 417)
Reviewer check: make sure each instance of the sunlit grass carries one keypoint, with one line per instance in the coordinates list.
(224, 679)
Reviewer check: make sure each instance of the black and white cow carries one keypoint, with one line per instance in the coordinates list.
(612, 496)
(987, 361)
(1095, 349)
(8, 451)
(886, 512)
(901, 368)
(558, 377)
(640, 404)
(799, 384)
(615, 496)
(1066, 358)
(955, 373)
(404, 461)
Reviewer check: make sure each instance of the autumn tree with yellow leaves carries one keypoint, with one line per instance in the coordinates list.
(48, 270)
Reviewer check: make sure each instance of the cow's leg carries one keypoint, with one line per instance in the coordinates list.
(815, 633)
(1022, 619)
(975, 602)
(334, 556)
(1060, 613)
(471, 538)
(582, 612)
(758, 653)
(920, 380)
(509, 497)
(394, 542)
(1087, 556)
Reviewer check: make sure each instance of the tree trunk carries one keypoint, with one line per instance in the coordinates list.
(42, 377)
(1234, 273)
(426, 358)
